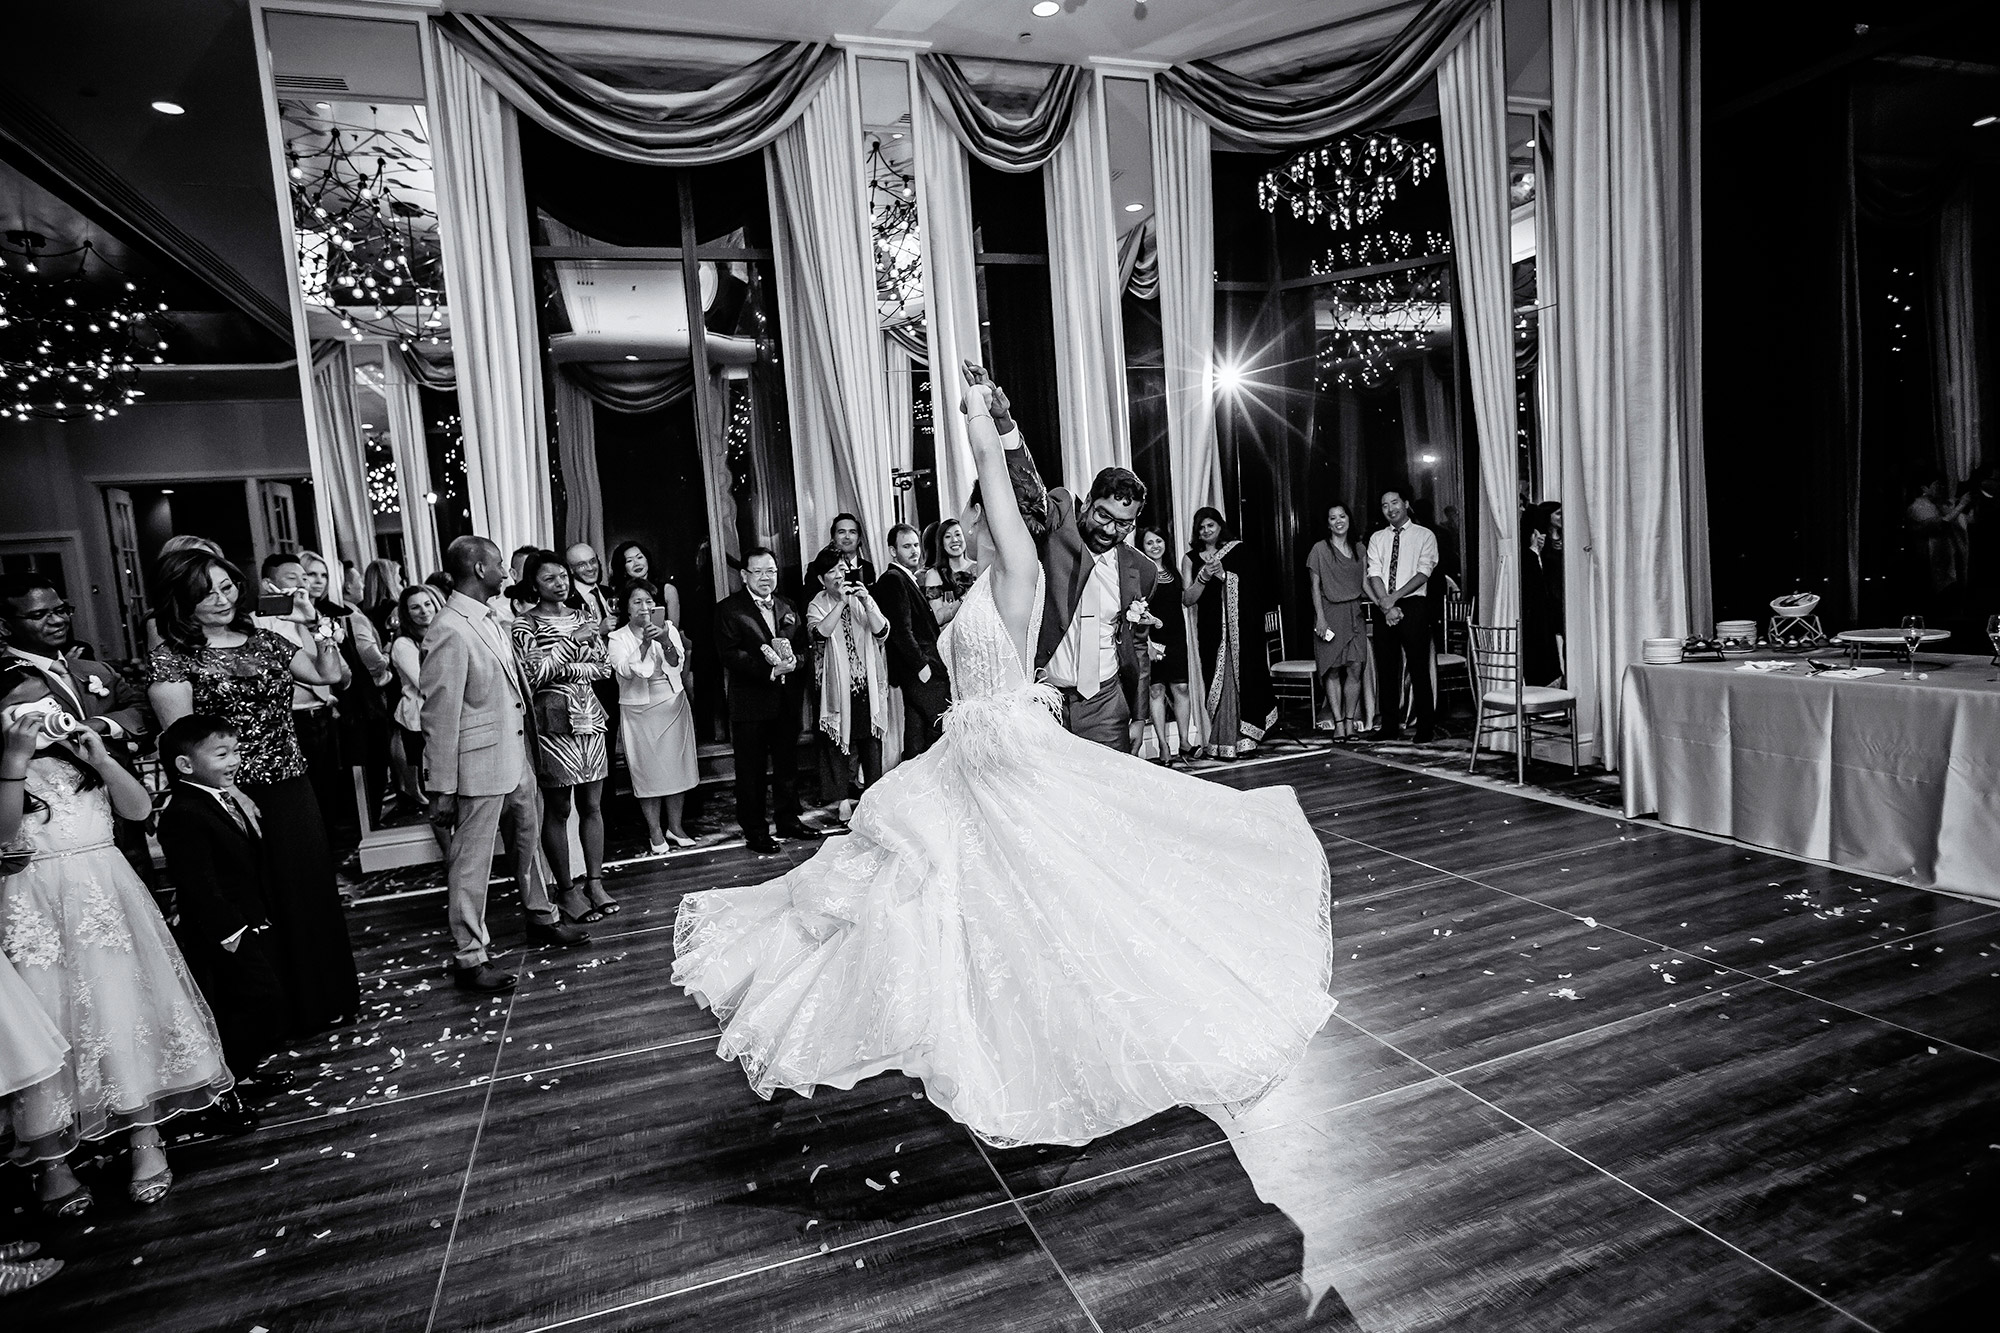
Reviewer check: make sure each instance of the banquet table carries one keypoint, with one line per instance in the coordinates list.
(1896, 777)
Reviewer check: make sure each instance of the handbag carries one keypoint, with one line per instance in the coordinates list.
(552, 713)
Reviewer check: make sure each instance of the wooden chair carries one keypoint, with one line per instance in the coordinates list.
(1291, 678)
(1495, 654)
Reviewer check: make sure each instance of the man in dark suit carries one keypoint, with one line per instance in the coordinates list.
(211, 836)
(1094, 642)
(915, 666)
(38, 623)
(761, 639)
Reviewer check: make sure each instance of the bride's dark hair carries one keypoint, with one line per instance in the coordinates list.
(13, 678)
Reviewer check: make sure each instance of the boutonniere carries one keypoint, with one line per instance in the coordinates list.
(787, 620)
(97, 687)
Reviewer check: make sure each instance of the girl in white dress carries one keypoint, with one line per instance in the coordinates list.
(1058, 939)
(82, 932)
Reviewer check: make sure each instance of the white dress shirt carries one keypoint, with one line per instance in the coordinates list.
(1416, 553)
(1097, 613)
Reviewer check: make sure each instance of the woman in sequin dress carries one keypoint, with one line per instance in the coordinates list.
(81, 930)
(213, 660)
(562, 654)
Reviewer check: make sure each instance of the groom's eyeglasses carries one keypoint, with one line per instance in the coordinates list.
(1104, 520)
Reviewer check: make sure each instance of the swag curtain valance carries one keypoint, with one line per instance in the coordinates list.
(569, 95)
(1003, 138)
(1297, 108)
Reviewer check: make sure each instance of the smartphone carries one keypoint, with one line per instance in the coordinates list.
(853, 577)
(646, 619)
(274, 604)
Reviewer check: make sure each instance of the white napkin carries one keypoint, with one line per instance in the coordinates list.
(1852, 673)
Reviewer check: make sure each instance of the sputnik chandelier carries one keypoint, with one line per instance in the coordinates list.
(73, 332)
(1349, 182)
(368, 255)
(1375, 318)
(899, 256)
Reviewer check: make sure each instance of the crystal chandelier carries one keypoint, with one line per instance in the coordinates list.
(368, 255)
(1349, 182)
(1375, 318)
(72, 338)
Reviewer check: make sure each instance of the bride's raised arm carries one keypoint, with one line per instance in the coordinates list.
(1016, 567)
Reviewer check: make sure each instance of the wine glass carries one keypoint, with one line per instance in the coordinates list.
(1913, 634)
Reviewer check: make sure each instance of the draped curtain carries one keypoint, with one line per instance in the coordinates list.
(1472, 102)
(555, 75)
(483, 221)
(1633, 504)
(840, 430)
(1084, 290)
(951, 294)
(1298, 109)
(1139, 262)
(576, 454)
(1005, 140)
(341, 450)
(1184, 209)
(1961, 411)
(413, 467)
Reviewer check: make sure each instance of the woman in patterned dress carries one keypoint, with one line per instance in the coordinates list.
(213, 660)
(81, 930)
(562, 654)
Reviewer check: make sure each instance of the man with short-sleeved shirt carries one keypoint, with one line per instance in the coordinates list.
(1400, 560)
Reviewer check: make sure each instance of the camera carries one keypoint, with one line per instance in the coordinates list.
(56, 721)
(853, 577)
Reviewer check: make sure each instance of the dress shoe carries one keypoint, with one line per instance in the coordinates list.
(798, 832)
(484, 979)
(762, 846)
(562, 934)
(230, 1116)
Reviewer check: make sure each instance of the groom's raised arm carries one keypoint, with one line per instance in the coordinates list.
(1030, 495)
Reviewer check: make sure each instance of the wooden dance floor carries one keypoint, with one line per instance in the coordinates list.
(1585, 1074)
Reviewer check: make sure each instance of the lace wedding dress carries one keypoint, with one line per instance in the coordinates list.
(1057, 939)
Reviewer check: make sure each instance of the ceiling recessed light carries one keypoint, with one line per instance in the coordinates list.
(170, 108)
(166, 490)
(1046, 9)
(895, 136)
(630, 357)
(324, 106)
(1984, 121)
(1135, 208)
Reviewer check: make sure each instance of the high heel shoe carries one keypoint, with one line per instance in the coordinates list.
(582, 915)
(600, 901)
(660, 848)
(679, 839)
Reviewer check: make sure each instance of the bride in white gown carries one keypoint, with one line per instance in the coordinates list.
(1059, 940)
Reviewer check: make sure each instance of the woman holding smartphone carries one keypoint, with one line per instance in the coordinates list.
(655, 723)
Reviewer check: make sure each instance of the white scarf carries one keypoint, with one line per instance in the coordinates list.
(835, 692)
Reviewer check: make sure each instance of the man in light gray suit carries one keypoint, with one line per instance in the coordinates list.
(479, 763)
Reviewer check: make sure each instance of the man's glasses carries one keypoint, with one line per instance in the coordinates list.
(37, 617)
(1104, 520)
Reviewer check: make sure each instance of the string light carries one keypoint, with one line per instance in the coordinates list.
(72, 339)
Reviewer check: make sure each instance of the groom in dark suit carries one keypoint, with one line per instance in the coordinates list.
(915, 665)
(761, 639)
(1094, 636)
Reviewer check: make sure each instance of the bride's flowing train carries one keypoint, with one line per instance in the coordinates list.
(1058, 940)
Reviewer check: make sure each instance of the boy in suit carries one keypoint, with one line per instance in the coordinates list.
(212, 838)
(761, 639)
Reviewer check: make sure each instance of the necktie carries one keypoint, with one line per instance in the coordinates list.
(1395, 555)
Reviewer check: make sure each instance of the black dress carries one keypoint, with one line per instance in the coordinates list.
(1541, 616)
(251, 688)
(1171, 634)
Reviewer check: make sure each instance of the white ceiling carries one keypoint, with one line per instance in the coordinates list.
(1160, 30)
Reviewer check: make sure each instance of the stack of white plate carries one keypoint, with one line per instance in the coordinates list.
(1736, 629)
(1662, 652)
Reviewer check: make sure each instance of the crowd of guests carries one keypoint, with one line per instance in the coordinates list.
(493, 698)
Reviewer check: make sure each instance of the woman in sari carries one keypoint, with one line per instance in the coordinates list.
(1229, 626)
